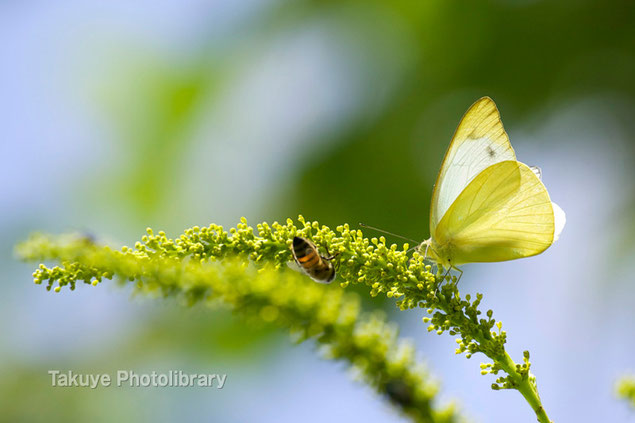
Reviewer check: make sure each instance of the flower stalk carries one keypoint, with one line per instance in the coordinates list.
(203, 264)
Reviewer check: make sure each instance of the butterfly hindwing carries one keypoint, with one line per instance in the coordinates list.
(503, 214)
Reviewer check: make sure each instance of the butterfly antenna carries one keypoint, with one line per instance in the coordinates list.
(363, 225)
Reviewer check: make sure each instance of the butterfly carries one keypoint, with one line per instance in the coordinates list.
(487, 206)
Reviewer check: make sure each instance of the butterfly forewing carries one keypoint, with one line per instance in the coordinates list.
(479, 141)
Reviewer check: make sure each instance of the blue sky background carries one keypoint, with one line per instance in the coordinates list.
(117, 116)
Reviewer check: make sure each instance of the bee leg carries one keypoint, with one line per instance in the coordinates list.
(330, 257)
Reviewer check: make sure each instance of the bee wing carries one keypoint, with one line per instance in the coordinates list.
(295, 266)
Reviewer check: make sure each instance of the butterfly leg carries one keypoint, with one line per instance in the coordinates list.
(447, 273)
(459, 278)
(410, 249)
(442, 279)
(417, 248)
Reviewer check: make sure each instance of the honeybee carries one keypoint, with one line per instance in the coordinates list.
(316, 266)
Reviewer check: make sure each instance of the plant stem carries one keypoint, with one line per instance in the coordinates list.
(525, 387)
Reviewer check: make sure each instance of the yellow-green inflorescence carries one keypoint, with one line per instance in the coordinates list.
(249, 272)
(625, 389)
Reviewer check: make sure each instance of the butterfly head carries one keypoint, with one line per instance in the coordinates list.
(430, 250)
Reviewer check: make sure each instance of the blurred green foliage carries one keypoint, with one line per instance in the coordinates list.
(525, 55)
(416, 66)
(154, 105)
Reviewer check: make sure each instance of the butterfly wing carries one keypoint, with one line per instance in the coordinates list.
(479, 141)
(560, 218)
(537, 171)
(505, 213)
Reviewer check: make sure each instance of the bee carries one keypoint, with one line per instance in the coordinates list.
(307, 256)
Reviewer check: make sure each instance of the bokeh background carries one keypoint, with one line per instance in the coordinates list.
(119, 115)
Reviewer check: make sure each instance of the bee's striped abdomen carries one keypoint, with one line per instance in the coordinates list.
(309, 259)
